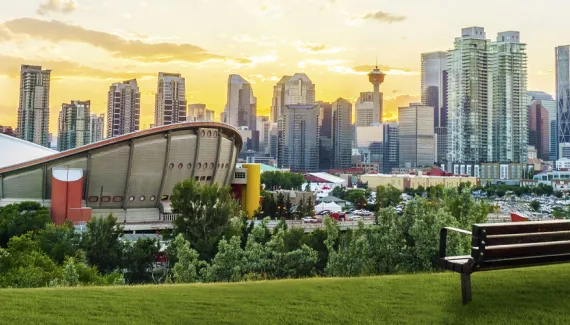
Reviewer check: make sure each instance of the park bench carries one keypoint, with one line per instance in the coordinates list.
(507, 245)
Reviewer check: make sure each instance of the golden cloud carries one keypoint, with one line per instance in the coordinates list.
(380, 16)
(62, 6)
(56, 31)
(314, 48)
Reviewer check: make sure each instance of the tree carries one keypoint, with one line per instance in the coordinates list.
(58, 241)
(138, 260)
(204, 213)
(358, 198)
(188, 267)
(339, 192)
(70, 275)
(226, 266)
(558, 194)
(535, 205)
(101, 243)
(18, 219)
(387, 196)
(282, 180)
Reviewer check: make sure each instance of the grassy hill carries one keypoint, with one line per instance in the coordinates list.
(531, 296)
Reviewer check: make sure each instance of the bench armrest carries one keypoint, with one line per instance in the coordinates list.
(443, 238)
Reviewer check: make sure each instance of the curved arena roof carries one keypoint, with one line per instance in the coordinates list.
(134, 170)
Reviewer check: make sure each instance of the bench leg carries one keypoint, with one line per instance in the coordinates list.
(466, 287)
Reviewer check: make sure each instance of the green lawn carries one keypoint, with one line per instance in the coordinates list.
(531, 296)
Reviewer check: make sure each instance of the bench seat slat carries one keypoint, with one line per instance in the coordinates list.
(521, 227)
(508, 263)
(524, 238)
(523, 250)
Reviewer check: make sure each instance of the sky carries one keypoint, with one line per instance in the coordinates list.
(90, 44)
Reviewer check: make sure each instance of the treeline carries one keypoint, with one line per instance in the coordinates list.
(207, 245)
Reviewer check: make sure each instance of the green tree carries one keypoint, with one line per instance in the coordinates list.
(58, 241)
(339, 192)
(101, 243)
(558, 194)
(18, 219)
(204, 214)
(226, 266)
(387, 196)
(138, 259)
(282, 180)
(358, 198)
(535, 205)
(70, 275)
(188, 267)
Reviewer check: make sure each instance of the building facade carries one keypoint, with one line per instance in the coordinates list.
(434, 94)
(550, 104)
(416, 137)
(507, 87)
(341, 126)
(391, 147)
(74, 125)
(325, 136)
(33, 108)
(170, 100)
(538, 129)
(241, 105)
(278, 99)
(97, 127)
(298, 147)
(123, 108)
(376, 78)
(467, 98)
(365, 109)
(196, 112)
(563, 99)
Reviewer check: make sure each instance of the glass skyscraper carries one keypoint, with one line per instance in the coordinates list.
(563, 98)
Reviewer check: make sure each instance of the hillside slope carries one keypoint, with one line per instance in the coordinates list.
(532, 296)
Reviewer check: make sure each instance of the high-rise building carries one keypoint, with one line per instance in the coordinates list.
(468, 121)
(434, 94)
(563, 99)
(196, 112)
(170, 103)
(391, 147)
(33, 109)
(299, 90)
(551, 106)
(416, 137)
(123, 108)
(341, 125)
(538, 129)
(241, 105)
(74, 125)
(325, 136)
(262, 125)
(365, 109)
(507, 93)
(299, 137)
(97, 127)
(376, 78)
(278, 98)
(273, 146)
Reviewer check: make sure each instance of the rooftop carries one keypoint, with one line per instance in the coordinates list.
(15, 151)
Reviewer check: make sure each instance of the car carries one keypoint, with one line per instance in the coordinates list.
(311, 220)
(355, 218)
(349, 211)
(324, 212)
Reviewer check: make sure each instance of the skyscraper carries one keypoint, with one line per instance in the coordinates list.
(299, 90)
(507, 123)
(365, 109)
(563, 99)
(74, 125)
(341, 122)
(298, 147)
(325, 135)
(97, 127)
(434, 94)
(33, 109)
(416, 137)
(170, 104)
(391, 147)
(550, 104)
(376, 78)
(538, 129)
(468, 120)
(241, 105)
(278, 98)
(196, 112)
(123, 108)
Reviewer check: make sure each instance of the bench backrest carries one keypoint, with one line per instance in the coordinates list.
(518, 244)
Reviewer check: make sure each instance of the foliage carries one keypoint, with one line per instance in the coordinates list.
(558, 194)
(187, 269)
(70, 275)
(339, 192)
(535, 205)
(358, 198)
(101, 243)
(138, 259)
(58, 241)
(387, 196)
(282, 180)
(18, 219)
(204, 212)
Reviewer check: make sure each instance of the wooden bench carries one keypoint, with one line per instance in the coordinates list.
(507, 245)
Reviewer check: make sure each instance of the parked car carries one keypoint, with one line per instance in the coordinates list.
(355, 218)
(324, 212)
(311, 220)
(349, 211)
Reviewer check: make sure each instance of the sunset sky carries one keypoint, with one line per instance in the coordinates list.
(90, 44)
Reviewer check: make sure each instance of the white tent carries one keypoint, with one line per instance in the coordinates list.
(332, 207)
(320, 207)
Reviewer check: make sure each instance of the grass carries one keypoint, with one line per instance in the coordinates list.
(538, 295)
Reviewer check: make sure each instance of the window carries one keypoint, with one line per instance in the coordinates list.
(142, 198)
(197, 178)
(164, 198)
(132, 198)
(189, 165)
(152, 198)
(239, 175)
(202, 178)
(209, 178)
(212, 165)
(93, 198)
(209, 133)
(105, 199)
(180, 165)
(117, 199)
(199, 165)
(171, 165)
(203, 133)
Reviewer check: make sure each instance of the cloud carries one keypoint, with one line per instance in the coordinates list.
(314, 48)
(56, 31)
(380, 16)
(61, 6)
(11, 67)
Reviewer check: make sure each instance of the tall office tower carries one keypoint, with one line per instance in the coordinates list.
(33, 110)
(391, 147)
(416, 136)
(278, 98)
(365, 109)
(241, 105)
(97, 127)
(507, 79)
(550, 104)
(299, 90)
(376, 78)
(563, 99)
(341, 125)
(434, 94)
(196, 112)
(210, 115)
(262, 125)
(299, 137)
(74, 125)
(325, 136)
(538, 129)
(123, 108)
(170, 103)
(468, 121)
(273, 146)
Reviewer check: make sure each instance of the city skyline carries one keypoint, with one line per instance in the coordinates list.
(86, 55)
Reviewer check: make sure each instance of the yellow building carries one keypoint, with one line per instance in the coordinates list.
(402, 182)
